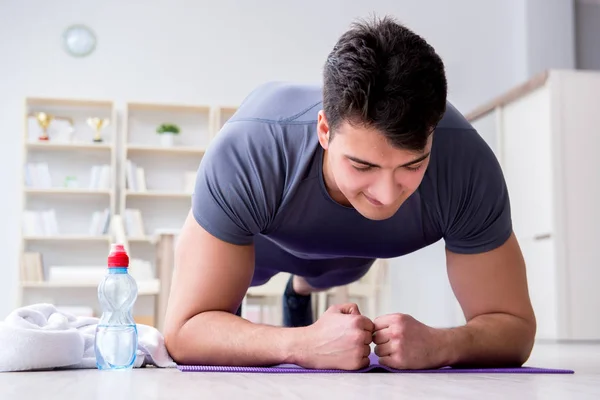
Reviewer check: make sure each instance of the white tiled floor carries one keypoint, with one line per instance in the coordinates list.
(171, 384)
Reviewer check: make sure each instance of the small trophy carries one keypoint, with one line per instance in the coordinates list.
(44, 120)
(97, 124)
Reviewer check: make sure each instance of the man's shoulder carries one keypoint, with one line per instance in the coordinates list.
(274, 128)
(464, 189)
(456, 150)
(453, 119)
(279, 102)
(275, 116)
(263, 150)
(458, 146)
(273, 131)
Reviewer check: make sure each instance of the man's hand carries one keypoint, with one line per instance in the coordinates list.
(339, 339)
(402, 342)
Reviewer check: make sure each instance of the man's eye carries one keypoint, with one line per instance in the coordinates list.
(413, 168)
(362, 168)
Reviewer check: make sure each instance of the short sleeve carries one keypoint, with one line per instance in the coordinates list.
(476, 207)
(236, 189)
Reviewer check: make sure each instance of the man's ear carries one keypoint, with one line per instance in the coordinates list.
(323, 130)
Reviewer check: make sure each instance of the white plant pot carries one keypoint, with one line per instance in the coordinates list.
(167, 139)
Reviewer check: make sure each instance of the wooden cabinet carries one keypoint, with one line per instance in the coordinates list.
(541, 264)
(527, 160)
(546, 136)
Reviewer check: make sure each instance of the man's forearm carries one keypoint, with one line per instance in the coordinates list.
(221, 338)
(491, 340)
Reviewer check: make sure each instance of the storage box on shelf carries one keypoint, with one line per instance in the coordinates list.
(543, 133)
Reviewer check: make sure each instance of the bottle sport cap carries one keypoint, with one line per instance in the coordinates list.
(118, 257)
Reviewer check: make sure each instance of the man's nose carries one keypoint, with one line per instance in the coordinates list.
(387, 190)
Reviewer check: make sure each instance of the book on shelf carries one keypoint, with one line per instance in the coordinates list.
(117, 229)
(39, 223)
(189, 181)
(140, 270)
(32, 269)
(100, 177)
(141, 179)
(136, 177)
(37, 175)
(134, 225)
(100, 222)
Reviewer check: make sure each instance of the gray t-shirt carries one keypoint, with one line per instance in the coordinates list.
(261, 182)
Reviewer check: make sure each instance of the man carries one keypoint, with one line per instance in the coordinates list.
(319, 182)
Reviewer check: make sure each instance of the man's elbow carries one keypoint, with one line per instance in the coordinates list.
(174, 344)
(178, 345)
(527, 335)
(184, 347)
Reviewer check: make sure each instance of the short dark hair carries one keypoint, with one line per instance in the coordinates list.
(382, 75)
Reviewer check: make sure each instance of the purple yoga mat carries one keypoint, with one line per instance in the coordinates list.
(374, 367)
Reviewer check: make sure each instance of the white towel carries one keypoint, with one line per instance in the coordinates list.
(40, 336)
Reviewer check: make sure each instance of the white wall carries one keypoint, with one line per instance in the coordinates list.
(550, 35)
(587, 32)
(215, 52)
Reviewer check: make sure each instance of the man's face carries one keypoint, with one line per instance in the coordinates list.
(362, 170)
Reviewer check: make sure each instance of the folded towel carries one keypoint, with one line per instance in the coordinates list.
(40, 336)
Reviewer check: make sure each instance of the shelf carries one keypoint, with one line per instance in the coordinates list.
(60, 102)
(228, 109)
(151, 287)
(159, 194)
(68, 146)
(136, 148)
(168, 107)
(63, 191)
(68, 238)
(153, 238)
(142, 239)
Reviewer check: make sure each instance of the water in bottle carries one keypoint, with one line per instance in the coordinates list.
(116, 334)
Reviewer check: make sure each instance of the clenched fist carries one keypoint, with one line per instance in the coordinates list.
(339, 339)
(402, 342)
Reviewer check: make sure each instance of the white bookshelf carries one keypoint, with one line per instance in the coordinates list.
(67, 205)
(61, 192)
(160, 196)
(161, 193)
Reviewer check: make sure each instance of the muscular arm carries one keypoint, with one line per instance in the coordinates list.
(209, 282)
(492, 291)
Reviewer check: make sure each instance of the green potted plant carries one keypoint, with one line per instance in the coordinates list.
(167, 133)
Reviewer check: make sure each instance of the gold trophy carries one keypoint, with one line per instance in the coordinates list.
(97, 124)
(44, 120)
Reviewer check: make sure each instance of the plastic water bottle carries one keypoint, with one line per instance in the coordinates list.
(116, 334)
